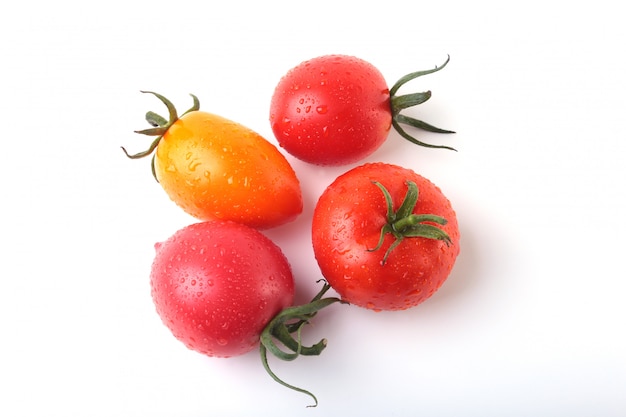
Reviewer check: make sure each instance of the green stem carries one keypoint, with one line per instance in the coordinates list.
(280, 329)
(271, 373)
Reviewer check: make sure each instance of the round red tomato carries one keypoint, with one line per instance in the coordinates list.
(216, 285)
(337, 109)
(384, 237)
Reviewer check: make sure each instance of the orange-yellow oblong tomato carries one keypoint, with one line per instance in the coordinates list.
(215, 168)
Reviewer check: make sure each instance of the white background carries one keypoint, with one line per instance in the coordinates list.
(531, 321)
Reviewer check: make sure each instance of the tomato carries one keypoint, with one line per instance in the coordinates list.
(223, 288)
(214, 168)
(337, 109)
(384, 237)
(217, 284)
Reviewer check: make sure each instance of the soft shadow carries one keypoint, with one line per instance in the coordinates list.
(484, 261)
(468, 269)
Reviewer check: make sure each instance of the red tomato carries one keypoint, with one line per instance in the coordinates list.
(214, 168)
(384, 237)
(223, 288)
(337, 109)
(216, 285)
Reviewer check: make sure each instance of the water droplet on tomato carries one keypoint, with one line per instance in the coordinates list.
(321, 109)
(193, 165)
(222, 342)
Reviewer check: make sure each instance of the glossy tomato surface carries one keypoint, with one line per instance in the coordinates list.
(217, 284)
(215, 168)
(347, 224)
(331, 110)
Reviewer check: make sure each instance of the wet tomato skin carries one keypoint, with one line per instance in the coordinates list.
(347, 223)
(331, 110)
(217, 284)
(214, 168)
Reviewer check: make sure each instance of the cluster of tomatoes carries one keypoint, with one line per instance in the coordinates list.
(385, 238)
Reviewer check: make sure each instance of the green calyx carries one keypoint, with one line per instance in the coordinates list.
(401, 102)
(159, 126)
(403, 223)
(284, 325)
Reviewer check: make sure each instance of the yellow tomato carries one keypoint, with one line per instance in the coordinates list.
(214, 168)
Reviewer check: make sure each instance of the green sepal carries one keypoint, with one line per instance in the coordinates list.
(394, 89)
(409, 100)
(411, 121)
(403, 223)
(401, 102)
(153, 131)
(155, 120)
(159, 127)
(145, 153)
(427, 231)
(168, 104)
(409, 202)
